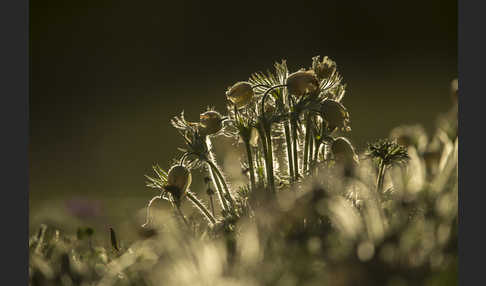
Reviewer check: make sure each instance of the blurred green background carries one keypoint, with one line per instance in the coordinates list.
(106, 79)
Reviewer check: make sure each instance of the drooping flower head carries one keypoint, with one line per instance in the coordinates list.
(173, 185)
(335, 115)
(211, 122)
(179, 177)
(302, 82)
(240, 94)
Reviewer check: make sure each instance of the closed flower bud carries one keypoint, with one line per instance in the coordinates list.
(302, 82)
(240, 94)
(343, 151)
(335, 115)
(211, 122)
(179, 179)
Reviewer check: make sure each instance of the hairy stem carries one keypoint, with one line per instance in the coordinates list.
(179, 212)
(294, 138)
(219, 188)
(289, 150)
(311, 150)
(263, 140)
(317, 145)
(223, 182)
(250, 164)
(270, 176)
(201, 207)
(381, 178)
(259, 165)
(306, 143)
(212, 204)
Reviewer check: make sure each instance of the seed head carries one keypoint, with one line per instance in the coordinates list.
(302, 82)
(335, 114)
(211, 122)
(343, 151)
(240, 94)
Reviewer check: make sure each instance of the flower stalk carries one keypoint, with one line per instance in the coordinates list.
(201, 207)
(250, 163)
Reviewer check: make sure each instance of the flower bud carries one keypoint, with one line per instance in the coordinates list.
(179, 178)
(240, 94)
(302, 82)
(211, 122)
(335, 115)
(343, 151)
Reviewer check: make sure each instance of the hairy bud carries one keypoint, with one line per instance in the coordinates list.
(179, 177)
(335, 115)
(211, 122)
(302, 82)
(240, 94)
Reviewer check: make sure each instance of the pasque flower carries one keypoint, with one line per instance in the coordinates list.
(211, 122)
(240, 94)
(302, 82)
(335, 115)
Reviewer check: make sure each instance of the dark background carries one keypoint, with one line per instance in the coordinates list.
(106, 79)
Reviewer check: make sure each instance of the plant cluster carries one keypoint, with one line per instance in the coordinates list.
(314, 210)
(296, 114)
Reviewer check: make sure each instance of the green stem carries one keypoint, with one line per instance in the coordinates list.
(250, 164)
(289, 149)
(201, 207)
